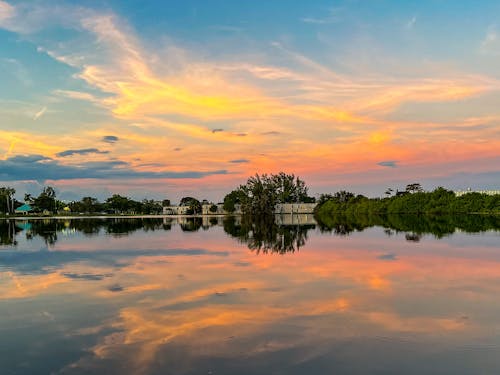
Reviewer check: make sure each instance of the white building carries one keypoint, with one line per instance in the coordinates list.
(487, 192)
(206, 209)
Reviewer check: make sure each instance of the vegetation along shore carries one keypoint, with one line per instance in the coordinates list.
(262, 195)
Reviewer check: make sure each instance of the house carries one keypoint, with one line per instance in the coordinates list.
(25, 209)
(175, 210)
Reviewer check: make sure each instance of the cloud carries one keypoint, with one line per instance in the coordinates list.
(39, 262)
(110, 139)
(331, 17)
(411, 23)
(78, 95)
(388, 256)
(491, 42)
(41, 168)
(84, 151)
(18, 70)
(40, 113)
(86, 276)
(177, 149)
(239, 161)
(388, 163)
(273, 132)
(6, 11)
(217, 130)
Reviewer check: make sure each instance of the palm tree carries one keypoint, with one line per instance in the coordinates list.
(8, 192)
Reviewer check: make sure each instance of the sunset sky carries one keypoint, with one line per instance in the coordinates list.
(172, 98)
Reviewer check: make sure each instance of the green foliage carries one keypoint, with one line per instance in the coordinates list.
(121, 204)
(193, 204)
(7, 201)
(261, 193)
(232, 199)
(46, 201)
(412, 201)
(213, 209)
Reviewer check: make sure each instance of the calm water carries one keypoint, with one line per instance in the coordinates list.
(213, 297)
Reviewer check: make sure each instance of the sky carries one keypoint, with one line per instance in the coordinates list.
(164, 99)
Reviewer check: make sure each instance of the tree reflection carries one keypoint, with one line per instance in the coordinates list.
(262, 234)
(50, 230)
(413, 225)
(191, 224)
(8, 231)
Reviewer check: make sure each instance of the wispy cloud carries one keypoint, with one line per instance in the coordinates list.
(40, 113)
(411, 23)
(332, 16)
(388, 163)
(239, 161)
(84, 151)
(110, 139)
(491, 42)
(6, 11)
(42, 168)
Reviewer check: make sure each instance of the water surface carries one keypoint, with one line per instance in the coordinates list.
(214, 296)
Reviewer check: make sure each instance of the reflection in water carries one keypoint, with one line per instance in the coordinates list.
(262, 234)
(279, 234)
(414, 225)
(163, 296)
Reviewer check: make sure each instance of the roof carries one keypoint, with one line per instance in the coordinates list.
(24, 208)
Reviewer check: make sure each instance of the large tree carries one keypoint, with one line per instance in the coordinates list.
(261, 193)
(46, 201)
(7, 199)
(193, 204)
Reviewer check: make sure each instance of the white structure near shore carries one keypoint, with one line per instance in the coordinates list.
(487, 192)
(207, 209)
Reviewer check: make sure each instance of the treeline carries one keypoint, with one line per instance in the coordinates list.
(47, 202)
(261, 193)
(411, 201)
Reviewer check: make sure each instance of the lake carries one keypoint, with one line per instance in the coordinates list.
(222, 296)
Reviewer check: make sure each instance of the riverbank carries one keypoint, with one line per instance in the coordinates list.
(100, 216)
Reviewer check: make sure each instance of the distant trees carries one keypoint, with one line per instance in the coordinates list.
(411, 201)
(121, 204)
(151, 207)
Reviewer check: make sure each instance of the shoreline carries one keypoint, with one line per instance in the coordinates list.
(59, 217)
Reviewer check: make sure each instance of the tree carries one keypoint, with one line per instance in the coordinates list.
(46, 201)
(165, 202)
(193, 204)
(90, 204)
(343, 196)
(120, 203)
(151, 207)
(232, 199)
(28, 198)
(289, 189)
(414, 188)
(213, 208)
(7, 196)
(261, 193)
